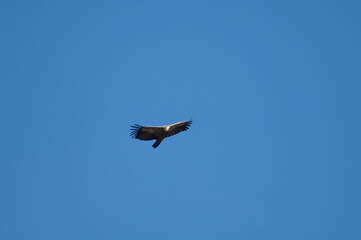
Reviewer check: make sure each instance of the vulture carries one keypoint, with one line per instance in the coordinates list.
(158, 133)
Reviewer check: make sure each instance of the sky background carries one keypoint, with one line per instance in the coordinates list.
(273, 88)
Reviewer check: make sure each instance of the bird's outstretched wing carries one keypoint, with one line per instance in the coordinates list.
(178, 127)
(146, 133)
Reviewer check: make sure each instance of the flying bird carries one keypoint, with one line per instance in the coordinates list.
(158, 133)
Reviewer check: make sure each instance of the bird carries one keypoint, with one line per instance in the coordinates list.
(158, 133)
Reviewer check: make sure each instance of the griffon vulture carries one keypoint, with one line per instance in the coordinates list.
(158, 133)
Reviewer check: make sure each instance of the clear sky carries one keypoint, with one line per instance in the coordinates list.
(273, 88)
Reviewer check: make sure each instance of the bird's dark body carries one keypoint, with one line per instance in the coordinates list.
(158, 133)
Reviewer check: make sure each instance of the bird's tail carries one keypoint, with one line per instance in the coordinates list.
(156, 144)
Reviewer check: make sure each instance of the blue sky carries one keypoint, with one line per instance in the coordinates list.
(273, 88)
